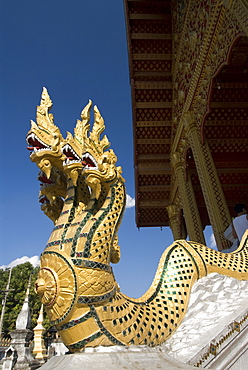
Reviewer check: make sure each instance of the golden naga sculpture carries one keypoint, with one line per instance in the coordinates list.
(76, 283)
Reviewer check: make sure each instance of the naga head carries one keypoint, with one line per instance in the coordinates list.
(86, 153)
(44, 138)
(97, 160)
(73, 146)
(44, 142)
(99, 163)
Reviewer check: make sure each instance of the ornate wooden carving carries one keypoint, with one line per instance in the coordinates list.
(189, 56)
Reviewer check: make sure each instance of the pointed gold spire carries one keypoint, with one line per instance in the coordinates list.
(39, 350)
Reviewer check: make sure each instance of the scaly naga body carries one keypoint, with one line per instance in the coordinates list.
(76, 283)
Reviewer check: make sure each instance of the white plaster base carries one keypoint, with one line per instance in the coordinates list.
(113, 358)
(216, 301)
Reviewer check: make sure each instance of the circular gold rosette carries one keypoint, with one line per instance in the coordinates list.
(56, 285)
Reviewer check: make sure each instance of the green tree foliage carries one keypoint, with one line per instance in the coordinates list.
(19, 283)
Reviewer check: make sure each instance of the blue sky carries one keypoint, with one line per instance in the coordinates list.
(78, 50)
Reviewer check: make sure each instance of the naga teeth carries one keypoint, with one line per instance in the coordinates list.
(68, 149)
(32, 136)
(92, 159)
(40, 150)
(32, 139)
(69, 161)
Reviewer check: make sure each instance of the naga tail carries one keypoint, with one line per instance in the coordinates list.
(152, 318)
(233, 264)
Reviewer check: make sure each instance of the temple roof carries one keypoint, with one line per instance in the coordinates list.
(149, 28)
(150, 53)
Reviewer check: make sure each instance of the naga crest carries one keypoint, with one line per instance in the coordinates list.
(83, 192)
(44, 137)
(44, 140)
